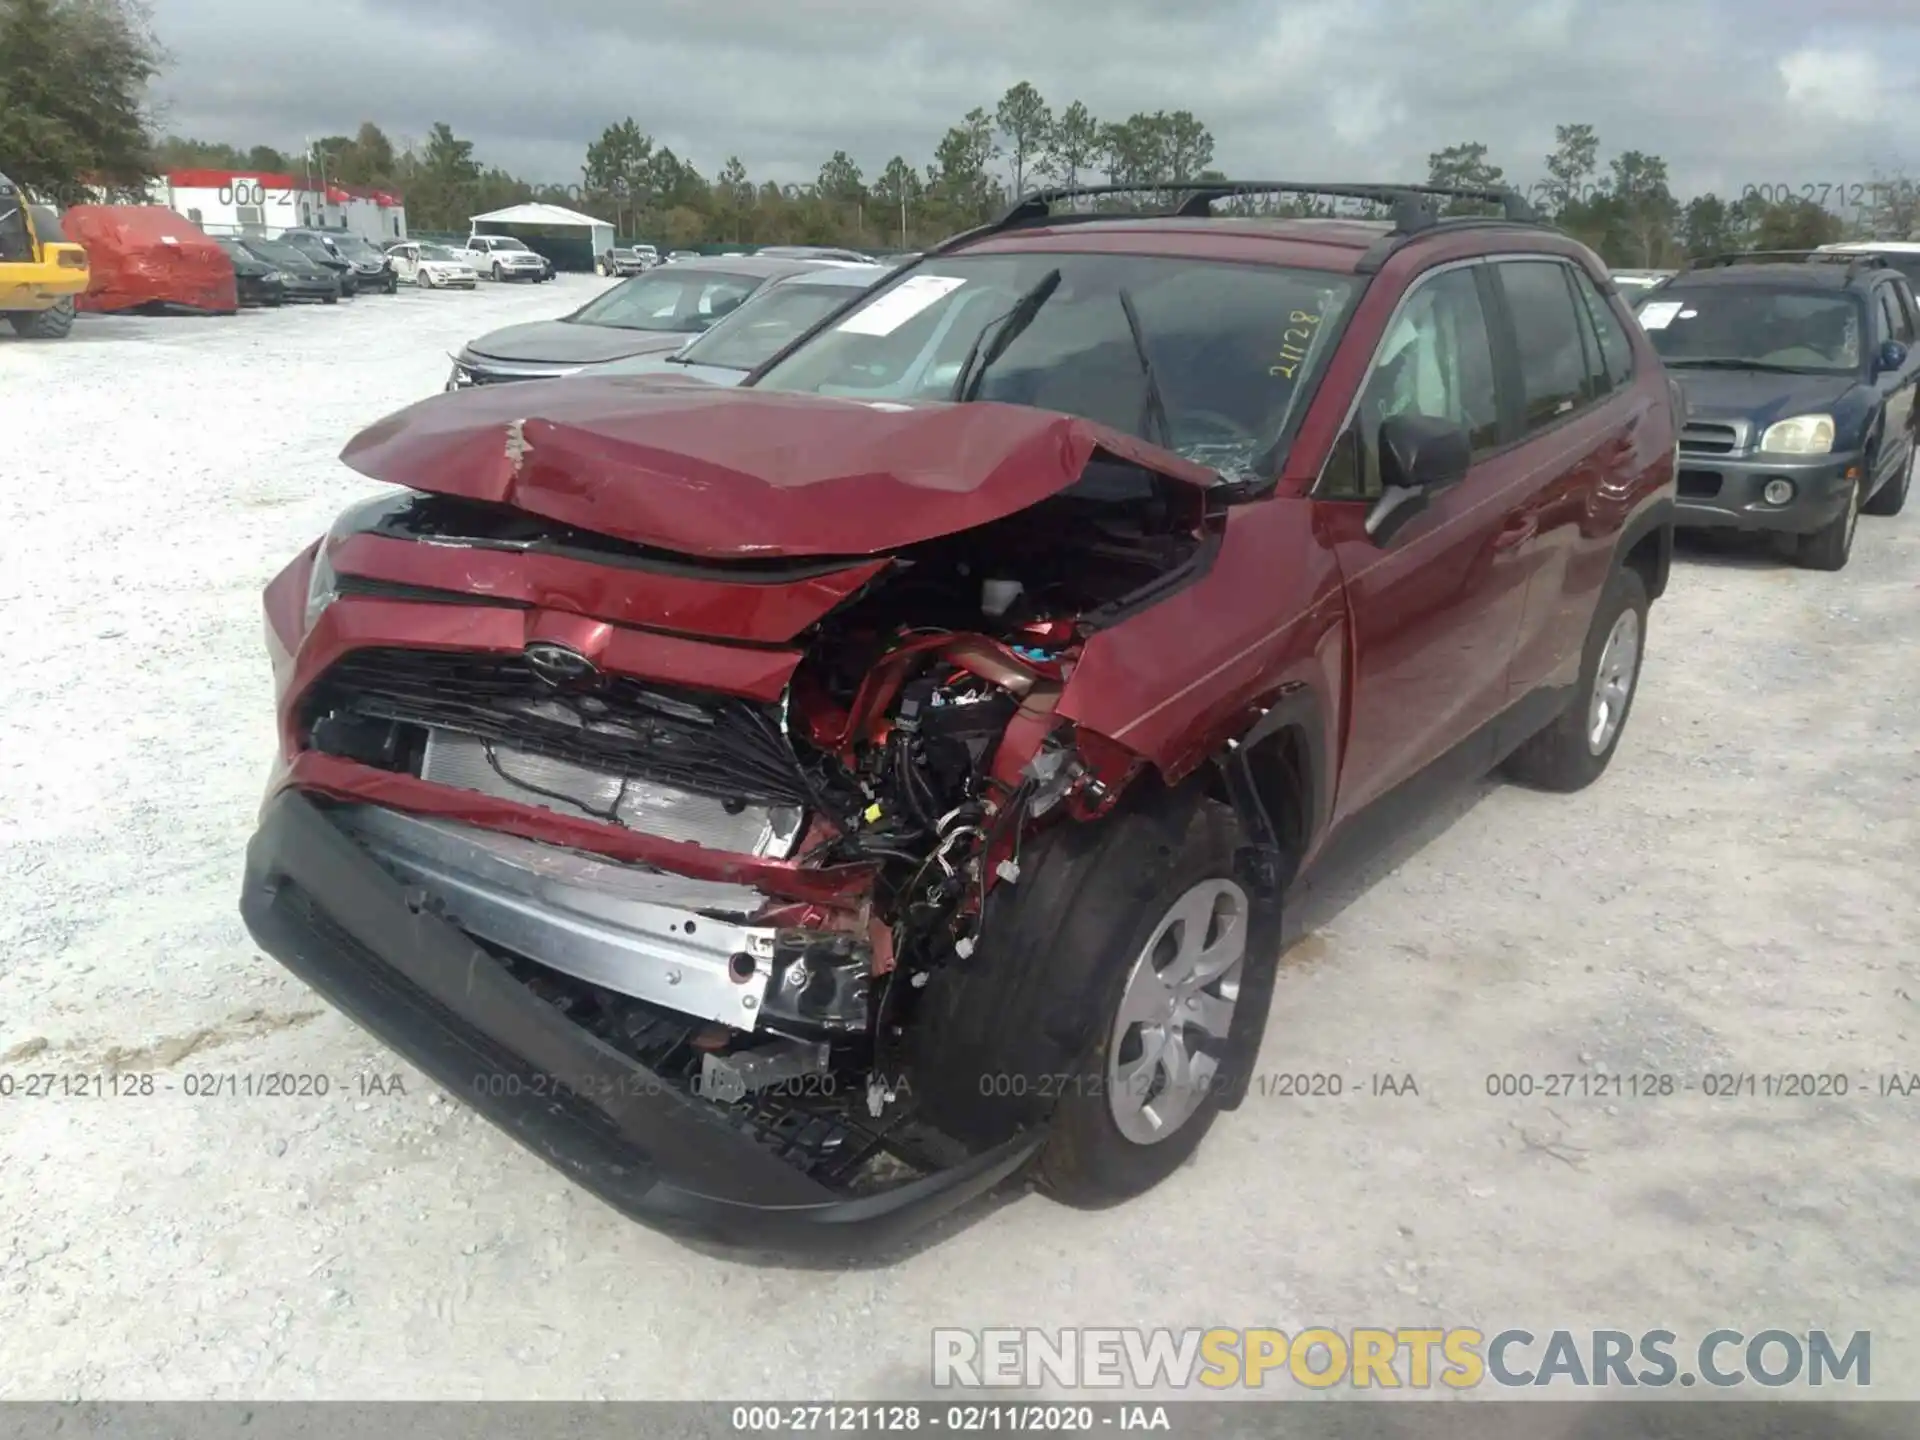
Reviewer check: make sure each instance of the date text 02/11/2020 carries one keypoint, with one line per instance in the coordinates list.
(1292, 1085)
(193, 1085)
(1716, 1085)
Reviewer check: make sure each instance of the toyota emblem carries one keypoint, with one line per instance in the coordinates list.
(559, 664)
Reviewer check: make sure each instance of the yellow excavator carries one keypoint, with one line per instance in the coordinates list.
(40, 273)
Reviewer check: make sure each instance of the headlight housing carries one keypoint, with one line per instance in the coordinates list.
(1799, 435)
(272, 277)
(323, 586)
(461, 376)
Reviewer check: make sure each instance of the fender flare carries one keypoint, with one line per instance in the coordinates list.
(1656, 517)
(1265, 862)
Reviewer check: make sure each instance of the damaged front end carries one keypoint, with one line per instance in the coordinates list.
(703, 815)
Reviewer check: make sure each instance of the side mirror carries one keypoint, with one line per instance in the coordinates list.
(1892, 356)
(1420, 456)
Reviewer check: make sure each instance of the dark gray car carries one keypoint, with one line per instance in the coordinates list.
(651, 314)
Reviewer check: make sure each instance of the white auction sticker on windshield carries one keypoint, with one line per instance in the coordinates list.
(1659, 315)
(900, 304)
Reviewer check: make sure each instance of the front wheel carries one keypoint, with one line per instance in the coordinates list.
(498, 273)
(1831, 546)
(52, 323)
(1891, 498)
(424, 279)
(1110, 999)
(1573, 752)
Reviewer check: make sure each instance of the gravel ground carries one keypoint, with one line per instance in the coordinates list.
(1734, 896)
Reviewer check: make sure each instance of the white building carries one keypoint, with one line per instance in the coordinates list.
(254, 202)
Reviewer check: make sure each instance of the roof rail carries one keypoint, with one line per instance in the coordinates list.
(1854, 260)
(1410, 204)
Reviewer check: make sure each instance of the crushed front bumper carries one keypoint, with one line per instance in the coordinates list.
(321, 905)
(1724, 492)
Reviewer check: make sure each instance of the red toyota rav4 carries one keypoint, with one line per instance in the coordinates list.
(793, 809)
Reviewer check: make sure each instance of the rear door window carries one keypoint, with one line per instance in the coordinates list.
(1553, 365)
(1616, 352)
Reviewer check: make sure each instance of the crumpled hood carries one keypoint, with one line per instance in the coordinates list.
(739, 473)
(561, 342)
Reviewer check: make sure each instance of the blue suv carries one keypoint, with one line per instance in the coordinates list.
(1800, 370)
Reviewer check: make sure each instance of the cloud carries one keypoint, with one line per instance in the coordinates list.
(1730, 92)
(1841, 84)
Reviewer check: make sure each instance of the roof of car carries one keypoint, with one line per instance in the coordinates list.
(1334, 244)
(852, 276)
(753, 265)
(1787, 274)
(1875, 247)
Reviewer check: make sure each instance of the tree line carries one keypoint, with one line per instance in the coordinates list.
(73, 76)
(1627, 211)
(646, 190)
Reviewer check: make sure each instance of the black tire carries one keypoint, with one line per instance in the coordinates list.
(1562, 757)
(1830, 547)
(1021, 1033)
(1891, 498)
(498, 274)
(329, 299)
(53, 323)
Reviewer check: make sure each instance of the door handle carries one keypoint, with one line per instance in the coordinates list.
(1515, 533)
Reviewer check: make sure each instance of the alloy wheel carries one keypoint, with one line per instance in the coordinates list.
(1613, 681)
(1175, 1011)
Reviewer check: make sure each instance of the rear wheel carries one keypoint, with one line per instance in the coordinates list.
(49, 324)
(1573, 752)
(1829, 547)
(1891, 498)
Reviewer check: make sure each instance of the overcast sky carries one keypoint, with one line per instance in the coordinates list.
(1731, 92)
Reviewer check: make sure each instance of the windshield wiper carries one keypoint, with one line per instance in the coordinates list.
(982, 353)
(1156, 402)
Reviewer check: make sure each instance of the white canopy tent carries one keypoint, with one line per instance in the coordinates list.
(582, 237)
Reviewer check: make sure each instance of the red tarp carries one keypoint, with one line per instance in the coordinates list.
(146, 254)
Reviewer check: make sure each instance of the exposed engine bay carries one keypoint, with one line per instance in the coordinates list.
(917, 742)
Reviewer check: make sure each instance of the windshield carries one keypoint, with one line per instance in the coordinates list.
(758, 331)
(353, 245)
(685, 302)
(276, 253)
(1232, 349)
(438, 252)
(506, 243)
(1758, 327)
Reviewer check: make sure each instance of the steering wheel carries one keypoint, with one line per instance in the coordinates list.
(1211, 424)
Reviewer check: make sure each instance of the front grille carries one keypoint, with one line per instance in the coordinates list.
(1698, 484)
(714, 745)
(508, 772)
(1710, 439)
